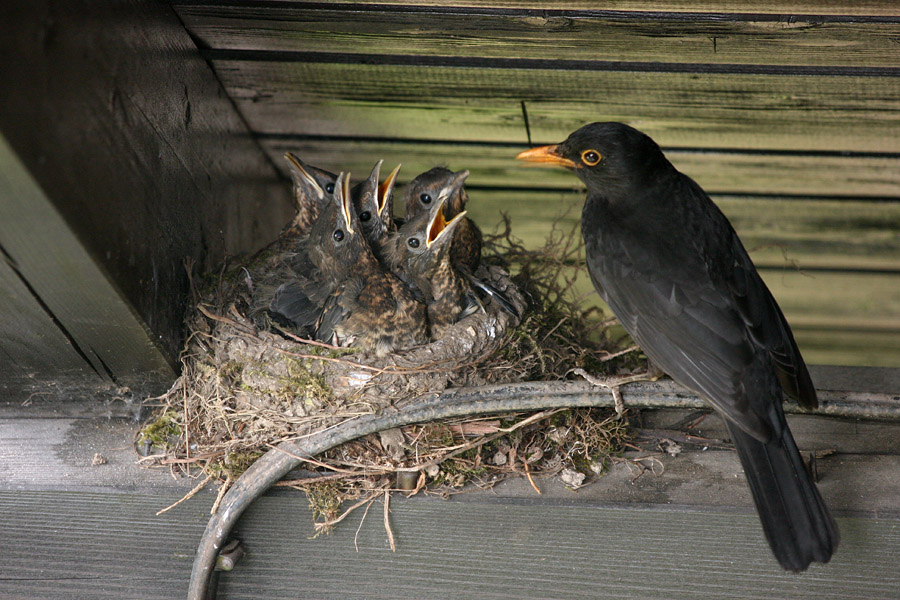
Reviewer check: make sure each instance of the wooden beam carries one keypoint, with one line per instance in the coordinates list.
(788, 8)
(473, 102)
(564, 33)
(129, 135)
(62, 318)
(689, 525)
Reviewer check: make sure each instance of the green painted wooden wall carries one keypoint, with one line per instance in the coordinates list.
(787, 114)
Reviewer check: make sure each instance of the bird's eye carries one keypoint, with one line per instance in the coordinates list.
(364, 216)
(413, 242)
(590, 157)
(329, 188)
(338, 235)
(425, 199)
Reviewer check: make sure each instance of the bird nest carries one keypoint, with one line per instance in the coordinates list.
(247, 383)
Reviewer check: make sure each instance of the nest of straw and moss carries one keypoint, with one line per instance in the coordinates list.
(247, 384)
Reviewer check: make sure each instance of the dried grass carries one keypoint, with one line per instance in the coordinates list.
(246, 385)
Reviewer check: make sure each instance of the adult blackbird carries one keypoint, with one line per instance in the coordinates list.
(420, 254)
(374, 207)
(677, 277)
(421, 193)
(347, 299)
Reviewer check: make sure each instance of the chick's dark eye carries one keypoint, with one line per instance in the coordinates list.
(365, 216)
(338, 235)
(329, 188)
(413, 242)
(425, 199)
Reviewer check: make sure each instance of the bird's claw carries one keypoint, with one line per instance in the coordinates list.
(610, 383)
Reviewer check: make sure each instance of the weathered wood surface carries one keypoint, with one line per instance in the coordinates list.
(297, 95)
(717, 170)
(72, 530)
(788, 8)
(62, 319)
(76, 545)
(516, 32)
(131, 137)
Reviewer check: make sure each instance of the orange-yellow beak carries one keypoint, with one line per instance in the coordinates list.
(440, 226)
(386, 189)
(546, 154)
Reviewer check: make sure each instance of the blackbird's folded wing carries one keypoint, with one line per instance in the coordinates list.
(769, 329)
(689, 330)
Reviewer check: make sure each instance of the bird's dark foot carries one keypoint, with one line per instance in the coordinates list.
(653, 372)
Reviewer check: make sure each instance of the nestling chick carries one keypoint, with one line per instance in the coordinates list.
(421, 193)
(356, 302)
(420, 254)
(375, 208)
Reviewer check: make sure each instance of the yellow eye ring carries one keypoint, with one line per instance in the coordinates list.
(591, 157)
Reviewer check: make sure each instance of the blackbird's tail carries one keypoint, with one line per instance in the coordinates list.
(796, 521)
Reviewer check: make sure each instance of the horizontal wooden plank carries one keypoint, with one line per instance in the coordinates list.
(717, 171)
(788, 7)
(486, 104)
(491, 544)
(536, 551)
(61, 545)
(456, 549)
(832, 346)
(619, 35)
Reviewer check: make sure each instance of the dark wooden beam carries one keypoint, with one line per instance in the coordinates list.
(131, 138)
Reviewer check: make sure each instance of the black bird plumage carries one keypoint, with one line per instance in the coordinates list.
(674, 272)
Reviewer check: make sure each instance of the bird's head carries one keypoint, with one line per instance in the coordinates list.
(310, 183)
(424, 190)
(423, 242)
(336, 240)
(605, 156)
(369, 206)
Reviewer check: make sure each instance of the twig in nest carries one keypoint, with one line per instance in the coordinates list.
(530, 478)
(329, 524)
(317, 463)
(483, 440)
(638, 468)
(613, 383)
(222, 489)
(361, 521)
(189, 495)
(387, 520)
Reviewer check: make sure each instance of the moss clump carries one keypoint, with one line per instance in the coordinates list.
(161, 434)
(302, 382)
(325, 500)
